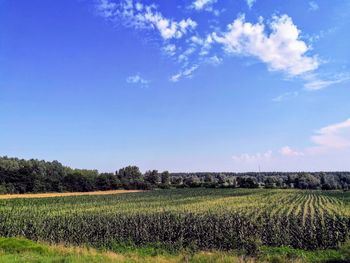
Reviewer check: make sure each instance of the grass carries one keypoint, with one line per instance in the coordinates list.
(285, 254)
(24, 250)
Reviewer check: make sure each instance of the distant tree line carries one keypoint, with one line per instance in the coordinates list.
(300, 180)
(35, 176)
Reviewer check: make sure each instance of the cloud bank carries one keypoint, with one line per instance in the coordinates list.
(335, 136)
(327, 140)
(278, 43)
(281, 50)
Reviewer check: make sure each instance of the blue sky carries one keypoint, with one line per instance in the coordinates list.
(195, 85)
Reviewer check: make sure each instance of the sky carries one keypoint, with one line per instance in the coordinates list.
(186, 85)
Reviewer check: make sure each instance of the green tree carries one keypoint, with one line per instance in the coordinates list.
(165, 178)
(152, 177)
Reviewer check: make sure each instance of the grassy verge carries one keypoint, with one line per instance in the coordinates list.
(23, 250)
(286, 254)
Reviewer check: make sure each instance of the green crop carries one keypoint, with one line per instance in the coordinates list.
(185, 218)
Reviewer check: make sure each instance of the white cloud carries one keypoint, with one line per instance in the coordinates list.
(203, 4)
(206, 5)
(138, 80)
(204, 44)
(328, 142)
(185, 55)
(245, 157)
(137, 15)
(250, 3)
(285, 96)
(106, 9)
(186, 73)
(214, 60)
(281, 50)
(170, 49)
(335, 136)
(287, 151)
(315, 83)
(313, 6)
(134, 14)
(139, 6)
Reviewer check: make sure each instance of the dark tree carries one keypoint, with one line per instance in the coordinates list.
(152, 177)
(165, 178)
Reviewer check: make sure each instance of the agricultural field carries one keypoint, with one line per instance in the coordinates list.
(46, 195)
(176, 219)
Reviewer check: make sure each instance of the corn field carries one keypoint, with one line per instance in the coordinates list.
(197, 218)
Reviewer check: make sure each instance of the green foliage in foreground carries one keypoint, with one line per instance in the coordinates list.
(197, 219)
(23, 250)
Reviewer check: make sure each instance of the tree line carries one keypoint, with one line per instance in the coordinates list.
(37, 176)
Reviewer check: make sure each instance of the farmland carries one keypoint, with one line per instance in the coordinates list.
(200, 219)
(45, 195)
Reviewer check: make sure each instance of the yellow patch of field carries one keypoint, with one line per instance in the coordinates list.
(46, 195)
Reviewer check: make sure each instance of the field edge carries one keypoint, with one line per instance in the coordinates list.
(20, 249)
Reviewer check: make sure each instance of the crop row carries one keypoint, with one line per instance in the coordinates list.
(204, 231)
(200, 218)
